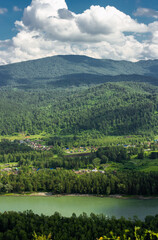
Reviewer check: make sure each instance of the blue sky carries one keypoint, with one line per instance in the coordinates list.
(141, 11)
(8, 18)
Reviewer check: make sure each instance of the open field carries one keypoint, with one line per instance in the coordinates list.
(143, 165)
(21, 136)
(84, 138)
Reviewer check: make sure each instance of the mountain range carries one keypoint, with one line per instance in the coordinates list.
(69, 70)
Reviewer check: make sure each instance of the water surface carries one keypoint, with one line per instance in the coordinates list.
(66, 205)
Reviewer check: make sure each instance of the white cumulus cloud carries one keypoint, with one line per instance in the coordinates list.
(49, 28)
(146, 12)
(107, 20)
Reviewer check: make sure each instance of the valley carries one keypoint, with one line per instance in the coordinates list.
(74, 125)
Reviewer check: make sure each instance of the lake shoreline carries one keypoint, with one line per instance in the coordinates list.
(48, 194)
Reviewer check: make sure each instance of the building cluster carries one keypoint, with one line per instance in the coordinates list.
(80, 149)
(83, 171)
(10, 170)
(36, 145)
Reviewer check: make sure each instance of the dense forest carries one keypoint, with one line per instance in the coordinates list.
(7, 147)
(22, 226)
(67, 181)
(73, 94)
(110, 108)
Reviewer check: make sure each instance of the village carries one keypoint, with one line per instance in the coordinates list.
(14, 169)
(39, 145)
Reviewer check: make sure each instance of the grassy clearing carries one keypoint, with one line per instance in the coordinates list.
(97, 139)
(145, 165)
(21, 136)
(8, 165)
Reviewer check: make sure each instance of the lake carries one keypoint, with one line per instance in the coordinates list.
(66, 205)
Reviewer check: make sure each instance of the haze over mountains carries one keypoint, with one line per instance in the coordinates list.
(76, 94)
(60, 71)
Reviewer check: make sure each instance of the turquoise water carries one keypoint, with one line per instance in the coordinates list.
(66, 205)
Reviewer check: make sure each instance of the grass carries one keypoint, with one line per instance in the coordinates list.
(15, 194)
(112, 140)
(94, 139)
(144, 165)
(4, 165)
(21, 136)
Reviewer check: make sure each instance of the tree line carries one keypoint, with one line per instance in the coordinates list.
(24, 225)
(68, 182)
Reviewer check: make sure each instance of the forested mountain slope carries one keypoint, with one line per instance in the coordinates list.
(72, 94)
(111, 108)
(43, 72)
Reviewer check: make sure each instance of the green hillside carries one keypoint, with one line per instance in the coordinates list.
(111, 108)
(44, 72)
(73, 94)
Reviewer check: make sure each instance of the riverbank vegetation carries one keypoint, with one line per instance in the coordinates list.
(23, 226)
(66, 181)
